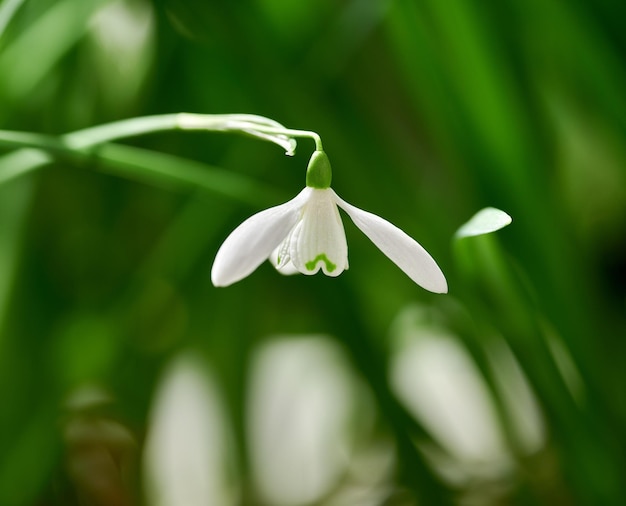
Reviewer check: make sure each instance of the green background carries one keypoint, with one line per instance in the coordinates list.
(429, 110)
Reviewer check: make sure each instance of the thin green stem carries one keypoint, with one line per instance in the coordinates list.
(90, 137)
(257, 126)
(12, 139)
(120, 130)
(126, 160)
(294, 133)
(243, 122)
(77, 145)
(300, 133)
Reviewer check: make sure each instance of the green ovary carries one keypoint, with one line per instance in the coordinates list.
(330, 267)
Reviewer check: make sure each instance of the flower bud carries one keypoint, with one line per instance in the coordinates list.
(319, 173)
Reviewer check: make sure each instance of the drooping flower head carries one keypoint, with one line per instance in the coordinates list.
(306, 235)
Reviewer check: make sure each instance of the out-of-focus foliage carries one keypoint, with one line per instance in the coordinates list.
(127, 378)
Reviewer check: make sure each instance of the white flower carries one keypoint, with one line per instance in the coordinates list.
(306, 234)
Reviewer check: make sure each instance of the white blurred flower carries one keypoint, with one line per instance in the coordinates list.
(186, 451)
(306, 234)
(301, 401)
(437, 379)
(439, 382)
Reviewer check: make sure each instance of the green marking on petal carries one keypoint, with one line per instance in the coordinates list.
(330, 267)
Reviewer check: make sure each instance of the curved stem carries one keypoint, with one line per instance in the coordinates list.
(243, 122)
(76, 143)
(293, 133)
(108, 132)
(257, 126)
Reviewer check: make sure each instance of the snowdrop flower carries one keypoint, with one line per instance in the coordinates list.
(306, 234)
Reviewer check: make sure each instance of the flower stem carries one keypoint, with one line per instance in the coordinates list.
(294, 133)
(250, 124)
(77, 145)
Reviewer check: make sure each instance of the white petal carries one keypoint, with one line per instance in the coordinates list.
(319, 240)
(485, 221)
(281, 261)
(404, 251)
(252, 242)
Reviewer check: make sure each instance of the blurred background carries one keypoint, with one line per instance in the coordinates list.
(126, 378)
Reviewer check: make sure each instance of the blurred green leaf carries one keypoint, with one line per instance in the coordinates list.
(50, 37)
(8, 8)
